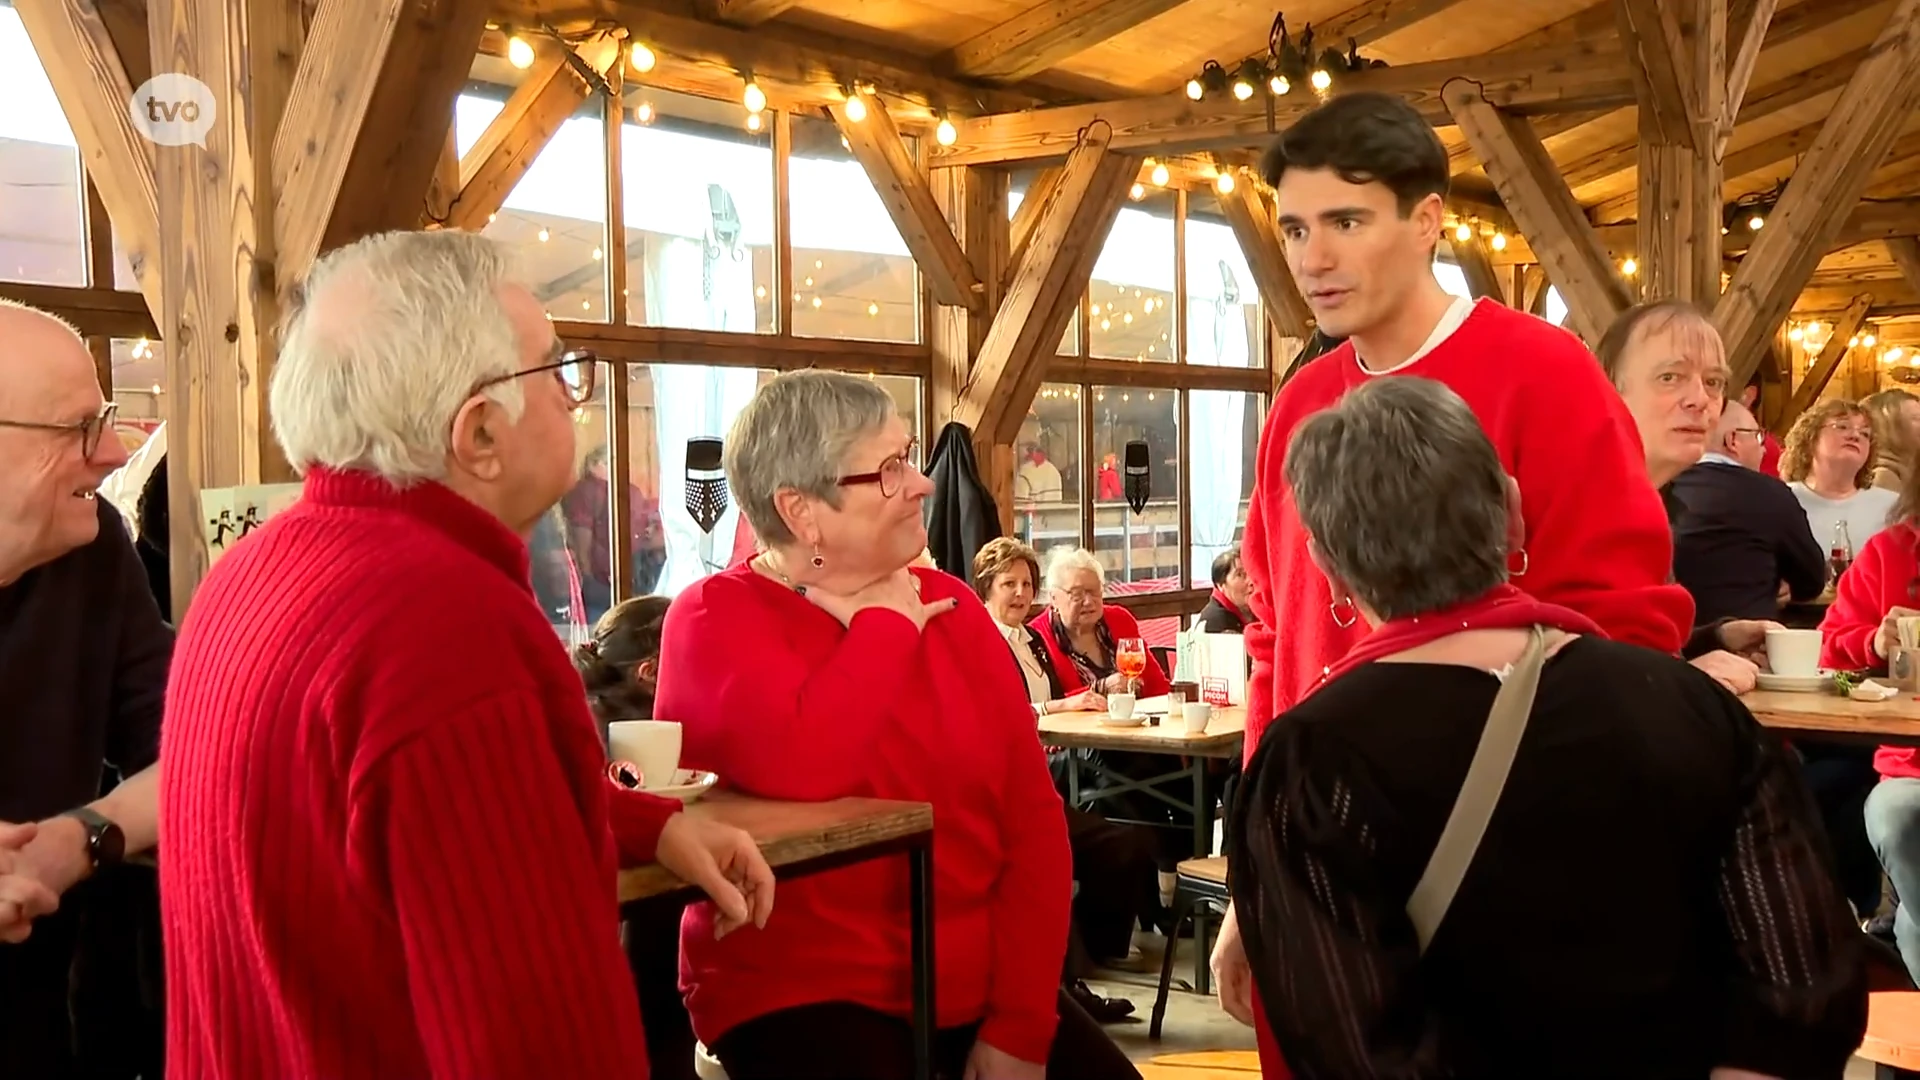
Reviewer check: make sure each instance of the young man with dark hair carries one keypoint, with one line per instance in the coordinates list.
(1361, 188)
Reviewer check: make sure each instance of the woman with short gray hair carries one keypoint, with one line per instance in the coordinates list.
(1649, 896)
(828, 666)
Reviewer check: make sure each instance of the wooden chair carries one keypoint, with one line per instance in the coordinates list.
(1199, 892)
(1893, 1035)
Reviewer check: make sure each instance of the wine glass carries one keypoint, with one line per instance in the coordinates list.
(1130, 659)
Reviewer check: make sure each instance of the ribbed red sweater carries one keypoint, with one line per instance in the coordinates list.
(389, 841)
(1885, 575)
(782, 701)
(1597, 536)
(1122, 624)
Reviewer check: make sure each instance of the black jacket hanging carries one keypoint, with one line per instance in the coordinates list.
(961, 515)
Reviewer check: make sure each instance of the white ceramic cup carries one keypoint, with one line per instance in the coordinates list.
(651, 745)
(1793, 652)
(1196, 714)
(1120, 706)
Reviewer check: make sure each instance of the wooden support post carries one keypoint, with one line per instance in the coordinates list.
(903, 191)
(1027, 216)
(445, 185)
(1746, 53)
(1906, 255)
(1258, 234)
(1476, 262)
(1532, 189)
(1680, 79)
(974, 201)
(1873, 108)
(1537, 291)
(551, 93)
(1048, 285)
(1823, 368)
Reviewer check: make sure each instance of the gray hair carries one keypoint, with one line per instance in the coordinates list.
(796, 434)
(15, 305)
(1062, 561)
(385, 343)
(1403, 495)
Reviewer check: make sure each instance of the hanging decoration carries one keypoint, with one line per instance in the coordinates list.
(706, 483)
(1139, 477)
(1285, 65)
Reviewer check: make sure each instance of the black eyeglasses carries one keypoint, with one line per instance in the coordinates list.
(575, 370)
(890, 472)
(89, 429)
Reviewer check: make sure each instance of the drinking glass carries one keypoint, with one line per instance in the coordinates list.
(1130, 659)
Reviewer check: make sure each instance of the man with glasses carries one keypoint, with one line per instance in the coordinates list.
(83, 665)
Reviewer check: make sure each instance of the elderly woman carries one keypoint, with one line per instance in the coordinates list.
(1080, 629)
(826, 667)
(1828, 462)
(1648, 898)
(1896, 435)
(1005, 574)
(1227, 611)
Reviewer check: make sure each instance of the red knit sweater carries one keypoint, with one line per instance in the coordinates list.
(1597, 536)
(1122, 624)
(1885, 575)
(385, 812)
(782, 701)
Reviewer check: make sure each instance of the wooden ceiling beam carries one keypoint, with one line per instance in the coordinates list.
(1746, 53)
(1032, 201)
(909, 202)
(1824, 190)
(1367, 22)
(1258, 234)
(1476, 263)
(77, 49)
(1044, 35)
(1906, 255)
(1532, 190)
(551, 93)
(1574, 78)
(748, 12)
(1662, 76)
(1823, 367)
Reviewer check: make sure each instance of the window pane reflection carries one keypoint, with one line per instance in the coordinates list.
(1130, 299)
(139, 389)
(571, 545)
(1221, 447)
(42, 194)
(1141, 551)
(1223, 306)
(1046, 470)
(852, 275)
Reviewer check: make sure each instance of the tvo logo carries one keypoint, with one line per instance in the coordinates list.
(173, 110)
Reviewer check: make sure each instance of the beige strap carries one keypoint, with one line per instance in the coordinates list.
(1480, 791)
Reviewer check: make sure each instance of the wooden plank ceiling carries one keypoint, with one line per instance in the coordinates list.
(934, 58)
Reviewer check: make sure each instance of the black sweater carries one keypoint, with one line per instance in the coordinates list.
(1738, 535)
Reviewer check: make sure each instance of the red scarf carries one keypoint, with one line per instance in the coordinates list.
(1501, 608)
(1239, 612)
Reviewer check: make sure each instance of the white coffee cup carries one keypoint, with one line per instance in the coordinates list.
(1793, 652)
(653, 746)
(1120, 706)
(1196, 714)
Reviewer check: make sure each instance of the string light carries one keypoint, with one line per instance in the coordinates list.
(754, 98)
(759, 292)
(545, 235)
(1322, 82)
(753, 121)
(1499, 241)
(1794, 333)
(641, 57)
(945, 134)
(816, 303)
(519, 52)
(1463, 232)
(1869, 340)
(643, 112)
(1756, 222)
(1223, 183)
(1161, 175)
(856, 109)
(1242, 89)
(1194, 90)
(598, 255)
(1137, 192)
(1278, 86)
(1628, 266)
(873, 309)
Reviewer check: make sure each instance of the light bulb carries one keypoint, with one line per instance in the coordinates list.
(819, 264)
(1242, 89)
(1127, 318)
(545, 235)
(753, 122)
(873, 309)
(1894, 354)
(1853, 342)
(1755, 222)
(1160, 176)
(586, 305)
(808, 283)
(1869, 340)
(1223, 183)
(1795, 333)
(945, 133)
(1106, 324)
(156, 386)
(760, 292)
(641, 57)
(519, 52)
(1195, 90)
(1463, 232)
(754, 97)
(1499, 241)
(643, 112)
(856, 109)
(1137, 192)
(1279, 85)
(598, 255)
(1628, 266)
(1321, 82)
(816, 302)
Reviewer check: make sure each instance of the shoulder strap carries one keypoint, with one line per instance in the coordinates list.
(1480, 791)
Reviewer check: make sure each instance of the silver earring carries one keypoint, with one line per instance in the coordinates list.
(1352, 612)
(1522, 572)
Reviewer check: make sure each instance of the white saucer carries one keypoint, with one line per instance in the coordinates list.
(1797, 684)
(1110, 720)
(688, 785)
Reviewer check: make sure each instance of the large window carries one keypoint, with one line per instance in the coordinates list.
(139, 389)
(1224, 327)
(1223, 443)
(1131, 427)
(852, 275)
(1129, 309)
(1047, 477)
(43, 236)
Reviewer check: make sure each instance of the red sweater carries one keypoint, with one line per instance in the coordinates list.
(1123, 625)
(384, 810)
(782, 701)
(1597, 535)
(1885, 575)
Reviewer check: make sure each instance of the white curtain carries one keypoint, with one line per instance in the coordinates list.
(1217, 336)
(700, 284)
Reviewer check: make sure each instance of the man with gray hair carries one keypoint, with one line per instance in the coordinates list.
(391, 840)
(83, 666)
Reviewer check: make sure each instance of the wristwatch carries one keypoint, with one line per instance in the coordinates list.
(106, 844)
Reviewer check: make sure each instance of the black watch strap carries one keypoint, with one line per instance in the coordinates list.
(106, 844)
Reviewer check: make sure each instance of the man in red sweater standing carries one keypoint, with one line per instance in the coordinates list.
(390, 840)
(1361, 191)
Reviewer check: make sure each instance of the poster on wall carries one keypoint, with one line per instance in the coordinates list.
(228, 514)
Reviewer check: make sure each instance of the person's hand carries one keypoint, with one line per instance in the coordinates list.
(1747, 637)
(1785, 595)
(725, 863)
(1088, 700)
(1737, 673)
(22, 897)
(989, 1062)
(1888, 635)
(1232, 975)
(899, 591)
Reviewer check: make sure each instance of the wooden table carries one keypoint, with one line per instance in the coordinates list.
(1893, 722)
(798, 839)
(1225, 734)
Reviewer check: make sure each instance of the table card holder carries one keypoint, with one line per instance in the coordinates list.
(1903, 669)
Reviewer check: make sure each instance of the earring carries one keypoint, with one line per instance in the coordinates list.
(818, 562)
(1522, 572)
(1352, 612)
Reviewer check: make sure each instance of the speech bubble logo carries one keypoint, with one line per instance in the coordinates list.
(173, 110)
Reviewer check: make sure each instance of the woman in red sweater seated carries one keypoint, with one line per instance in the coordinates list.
(1080, 628)
(826, 667)
(1881, 587)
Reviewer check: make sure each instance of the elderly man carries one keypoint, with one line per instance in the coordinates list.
(391, 841)
(83, 665)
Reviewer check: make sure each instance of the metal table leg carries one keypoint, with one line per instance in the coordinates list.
(1202, 819)
(920, 890)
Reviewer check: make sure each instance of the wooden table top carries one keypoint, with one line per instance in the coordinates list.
(1896, 719)
(1074, 730)
(791, 832)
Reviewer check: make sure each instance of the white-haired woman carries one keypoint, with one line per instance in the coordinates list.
(1649, 897)
(1081, 630)
(825, 667)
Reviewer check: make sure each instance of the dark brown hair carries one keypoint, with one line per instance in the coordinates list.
(1796, 457)
(1365, 138)
(623, 639)
(997, 557)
